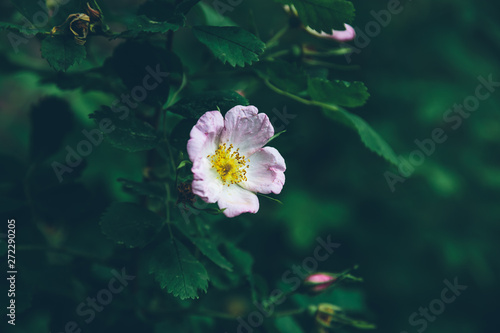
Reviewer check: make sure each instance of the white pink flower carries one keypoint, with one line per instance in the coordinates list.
(230, 162)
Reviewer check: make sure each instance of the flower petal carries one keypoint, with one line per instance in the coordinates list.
(205, 135)
(205, 184)
(246, 129)
(344, 36)
(237, 200)
(266, 171)
(339, 35)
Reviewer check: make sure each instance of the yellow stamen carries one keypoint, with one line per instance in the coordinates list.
(229, 164)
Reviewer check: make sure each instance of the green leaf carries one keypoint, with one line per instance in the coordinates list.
(323, 15)
(62, 52)
(175, 268)
(208, 247)
(142, 24)
(287, 325)
(130, 224)
(269, 198)
(242, 260)
(275, 136)
(370, 138)
(151, 189)
(51, 121)
(349, 94)
(196, 105)
(129, 133)
(158, 16)
(25, 31)
(162, 11)
(230, 44)
(214, 18)
(183, 164)
(284, 75)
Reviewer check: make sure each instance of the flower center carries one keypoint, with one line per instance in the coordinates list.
(229, 164)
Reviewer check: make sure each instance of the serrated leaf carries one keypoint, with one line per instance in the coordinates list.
(130, 224)
(369, 136)
(323, 15)
(129, 133)
(177, 271)
(196, 105)
(230, 44)
(208, 247)
(24, 31)
(151, 189)
(62, 52)
(284, 75)
(142, 24)
(162, 12)
(349, 94)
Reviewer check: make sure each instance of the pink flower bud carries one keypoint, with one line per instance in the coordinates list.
(338, 35)
(319, 282)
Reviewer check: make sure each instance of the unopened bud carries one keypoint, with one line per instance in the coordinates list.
(337, 35)
(325, 314)
(318, 282)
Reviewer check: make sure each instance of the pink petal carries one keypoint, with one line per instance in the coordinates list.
(320, 277)
(246, 129)
(237, 200)
(266, 171)
(205, 135)
(344, 36)
(205, 184)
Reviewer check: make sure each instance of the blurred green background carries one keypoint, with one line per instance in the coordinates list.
(441, 223)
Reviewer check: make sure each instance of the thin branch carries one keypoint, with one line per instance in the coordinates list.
(332, 107)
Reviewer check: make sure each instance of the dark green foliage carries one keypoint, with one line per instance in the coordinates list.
(177, 271)
(130, 224)
(125, 131)
(284, 75)
(343, 93)
(62, 52)
(234, 45)
(194, 106)
(147, 75)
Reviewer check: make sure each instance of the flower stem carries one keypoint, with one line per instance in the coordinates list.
(274, 40)
(330, 65)
(332, 107)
